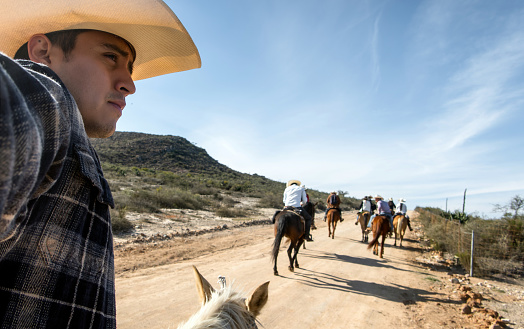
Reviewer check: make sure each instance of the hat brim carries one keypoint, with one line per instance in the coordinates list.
(161, 42)
(294, 181)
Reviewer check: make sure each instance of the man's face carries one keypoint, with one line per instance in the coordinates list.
(98, 74)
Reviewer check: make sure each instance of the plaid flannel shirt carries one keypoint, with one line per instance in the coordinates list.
(56, 244)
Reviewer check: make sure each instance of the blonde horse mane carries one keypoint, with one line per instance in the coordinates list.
(225, 308)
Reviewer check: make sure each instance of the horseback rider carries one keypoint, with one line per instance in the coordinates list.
(383, 210)
(313, 227)
(391, 205)
(402, 210)
(365, 205)
(373, 205)
(333, 202)
(294, 197)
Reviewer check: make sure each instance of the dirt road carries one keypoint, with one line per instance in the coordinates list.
(339, 284)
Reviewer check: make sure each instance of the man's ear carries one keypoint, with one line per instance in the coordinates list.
(39, 49)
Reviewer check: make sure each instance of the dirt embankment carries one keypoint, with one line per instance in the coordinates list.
(339, 284)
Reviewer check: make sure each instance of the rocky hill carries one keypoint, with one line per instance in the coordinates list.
(170, 153)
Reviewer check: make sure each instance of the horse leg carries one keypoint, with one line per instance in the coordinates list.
(329, 226)
(382, 245)
(291, 268)
(275, 272)
(334, 227)
(295, 257)
(395, 244)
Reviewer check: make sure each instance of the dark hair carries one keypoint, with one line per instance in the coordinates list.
(65, 39)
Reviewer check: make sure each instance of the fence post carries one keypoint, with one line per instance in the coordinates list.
(472, 249)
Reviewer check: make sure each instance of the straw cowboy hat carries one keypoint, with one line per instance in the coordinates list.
(402, 200)
(390, 199)
(379, 197)
(293, 181)
(161, 42)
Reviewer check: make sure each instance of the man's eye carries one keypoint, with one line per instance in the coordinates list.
(112, 57)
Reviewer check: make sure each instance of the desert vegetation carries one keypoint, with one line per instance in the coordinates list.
(498, 246)
(148, 173)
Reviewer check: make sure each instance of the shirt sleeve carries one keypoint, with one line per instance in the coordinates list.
(304, 196)
(33, 139)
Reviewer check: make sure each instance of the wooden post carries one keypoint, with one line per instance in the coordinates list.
(472, 250)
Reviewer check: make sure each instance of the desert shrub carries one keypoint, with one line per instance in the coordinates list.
(271, 200)
(321, 206)
(155, 199)
(119, 222)
(231, 212)
(498, 244)
(203, 190)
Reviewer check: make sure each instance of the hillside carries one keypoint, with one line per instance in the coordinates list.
(148, 173)
(170, 153)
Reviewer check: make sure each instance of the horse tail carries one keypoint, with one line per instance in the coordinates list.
(278, 236)
(400, 224)
(375, 239)
(376, 236)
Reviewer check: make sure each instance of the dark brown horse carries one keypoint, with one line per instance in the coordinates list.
(363, 219)
(333, 216)
(380, 228)
(291, 225)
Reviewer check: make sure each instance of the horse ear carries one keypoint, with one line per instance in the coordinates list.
(258, 299)
(204, 288)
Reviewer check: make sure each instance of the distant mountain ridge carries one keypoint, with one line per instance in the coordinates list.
(162, 152)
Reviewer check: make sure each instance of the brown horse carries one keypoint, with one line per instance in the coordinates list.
(363, 219)
(333, 216)
(400, 223)
(288, 224)
(380, 227)
(226, 308)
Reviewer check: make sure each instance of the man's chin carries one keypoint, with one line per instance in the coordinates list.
(101, 132)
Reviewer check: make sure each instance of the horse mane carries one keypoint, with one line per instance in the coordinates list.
(225, 310)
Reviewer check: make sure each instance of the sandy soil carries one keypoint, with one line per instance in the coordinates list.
(340, 284)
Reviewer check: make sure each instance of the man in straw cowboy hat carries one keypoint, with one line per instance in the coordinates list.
(402, 209)
(365, 205)
(295, 196)
(80, 60)
(383, 210)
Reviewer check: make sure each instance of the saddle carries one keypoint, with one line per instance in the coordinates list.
(295, 211)
(290, 209)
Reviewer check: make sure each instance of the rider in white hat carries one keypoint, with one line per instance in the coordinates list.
(402, 210)
(295, 196)
(383, 210)
(78, 63)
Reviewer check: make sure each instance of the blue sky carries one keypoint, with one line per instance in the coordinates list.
(406, 99)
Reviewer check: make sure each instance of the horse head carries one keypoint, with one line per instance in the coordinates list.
(226, 308)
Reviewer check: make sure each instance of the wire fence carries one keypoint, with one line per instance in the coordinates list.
(498, 245)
